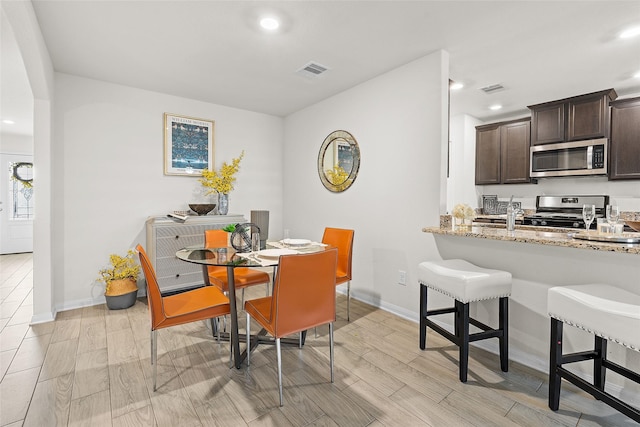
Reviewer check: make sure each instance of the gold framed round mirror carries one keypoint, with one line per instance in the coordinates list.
(338, 161)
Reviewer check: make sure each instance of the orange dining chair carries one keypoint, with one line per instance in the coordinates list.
(304, 296)
(190, 306)
(343, 240)
(243, 276)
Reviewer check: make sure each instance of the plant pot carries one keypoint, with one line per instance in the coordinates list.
(118, 302)
(122, 294)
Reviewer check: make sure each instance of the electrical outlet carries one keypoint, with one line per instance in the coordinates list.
(402, 277)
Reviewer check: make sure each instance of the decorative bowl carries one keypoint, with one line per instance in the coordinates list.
(634, 224)
(202, 209)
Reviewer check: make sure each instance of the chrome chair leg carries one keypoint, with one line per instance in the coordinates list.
(348, 299)
(248, 328)
(331, 348)
(215, 328)
(154, 356)
(279, 356)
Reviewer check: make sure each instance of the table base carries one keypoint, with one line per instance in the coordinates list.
(260, 338)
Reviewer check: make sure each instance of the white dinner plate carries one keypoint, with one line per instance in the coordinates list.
(275, 253)
(296, 242)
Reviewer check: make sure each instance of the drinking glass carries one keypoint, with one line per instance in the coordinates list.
(588, 214)
(613, 214)
(285, 239)
(255, 242)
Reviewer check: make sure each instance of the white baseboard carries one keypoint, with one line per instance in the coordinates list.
(43, 318)
(81, 303)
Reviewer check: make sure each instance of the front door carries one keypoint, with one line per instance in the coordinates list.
(16, 203)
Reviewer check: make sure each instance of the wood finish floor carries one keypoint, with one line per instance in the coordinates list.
(91, 367)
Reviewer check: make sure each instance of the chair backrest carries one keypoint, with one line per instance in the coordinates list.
(304, 292)
(154, 297)
(343, 240)
(215, 239)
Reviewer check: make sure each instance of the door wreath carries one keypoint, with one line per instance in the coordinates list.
(15, 174)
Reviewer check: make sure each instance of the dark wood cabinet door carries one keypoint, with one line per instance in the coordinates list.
(515, 143)
(572, 119)
(547, 123)
(624, 157)
(588, 118)
(488, 155)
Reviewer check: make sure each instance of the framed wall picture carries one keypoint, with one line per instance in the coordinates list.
(188, 145)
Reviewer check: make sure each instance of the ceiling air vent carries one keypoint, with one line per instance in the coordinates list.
(312, 69)
(492, 88)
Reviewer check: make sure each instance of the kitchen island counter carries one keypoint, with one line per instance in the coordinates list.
(528, 234)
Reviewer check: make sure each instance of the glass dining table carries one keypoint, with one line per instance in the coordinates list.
(230, 258)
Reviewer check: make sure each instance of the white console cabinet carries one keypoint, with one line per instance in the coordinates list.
(165, 236)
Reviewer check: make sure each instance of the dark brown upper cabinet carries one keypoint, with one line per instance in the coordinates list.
(572, 119)
(547, 123)
(624, 157)
(502, 152)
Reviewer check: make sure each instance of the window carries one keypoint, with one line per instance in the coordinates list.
(21, 191)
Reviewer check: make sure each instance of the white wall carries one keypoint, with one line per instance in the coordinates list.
(16, 144)
(462, 161)
(39, 68)
(399, 121)
(109, 169)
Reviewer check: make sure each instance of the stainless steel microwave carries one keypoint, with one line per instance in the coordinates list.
(576, 158)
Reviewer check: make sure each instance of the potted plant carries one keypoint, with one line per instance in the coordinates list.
(121, 280)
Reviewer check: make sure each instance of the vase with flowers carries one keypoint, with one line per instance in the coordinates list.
(221, 182)
(463, 214)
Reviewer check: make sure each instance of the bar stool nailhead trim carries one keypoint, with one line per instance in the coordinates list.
(583, 304)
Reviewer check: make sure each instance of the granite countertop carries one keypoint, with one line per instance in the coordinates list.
(536, 235)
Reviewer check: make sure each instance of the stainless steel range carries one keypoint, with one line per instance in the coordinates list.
(565, 211)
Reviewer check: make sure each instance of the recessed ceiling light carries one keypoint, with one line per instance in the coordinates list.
(269, 23)
(637, 75)
(9, 122)
(456, 86)
(495, 107)
(631, 32)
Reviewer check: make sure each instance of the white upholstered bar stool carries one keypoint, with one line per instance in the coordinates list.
(610, 314)
(465, 283)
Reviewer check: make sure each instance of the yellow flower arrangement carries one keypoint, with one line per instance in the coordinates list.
(122, 267)
(463, 211)
(222, 181)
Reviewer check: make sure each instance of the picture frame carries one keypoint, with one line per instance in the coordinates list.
(188, 145)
